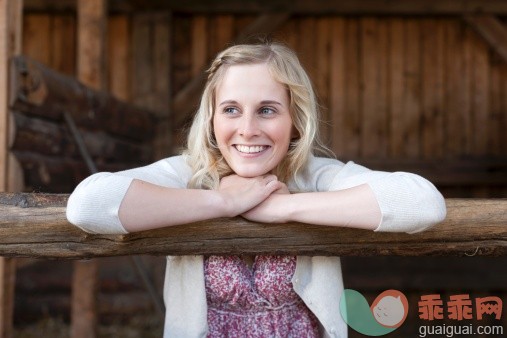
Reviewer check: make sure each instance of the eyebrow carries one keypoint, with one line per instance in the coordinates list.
(262, 102)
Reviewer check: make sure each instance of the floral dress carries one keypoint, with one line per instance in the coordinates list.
(257, 301)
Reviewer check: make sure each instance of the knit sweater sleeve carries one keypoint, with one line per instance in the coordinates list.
(408, 202)
(94, 204)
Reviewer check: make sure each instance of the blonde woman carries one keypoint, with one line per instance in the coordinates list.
(252, 152)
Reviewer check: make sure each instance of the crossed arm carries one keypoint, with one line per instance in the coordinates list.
(261, 199)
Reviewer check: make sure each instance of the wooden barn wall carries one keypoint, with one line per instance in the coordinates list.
(390, 87)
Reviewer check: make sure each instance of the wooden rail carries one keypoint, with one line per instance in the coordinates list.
(34, 225)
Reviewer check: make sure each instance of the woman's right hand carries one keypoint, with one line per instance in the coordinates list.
(241, 194)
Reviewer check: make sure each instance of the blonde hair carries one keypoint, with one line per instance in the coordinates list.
(204, 157)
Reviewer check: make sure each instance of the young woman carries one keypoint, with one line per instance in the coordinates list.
(252, 152)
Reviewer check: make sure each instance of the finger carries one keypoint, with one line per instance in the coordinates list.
(274, 186)
(270, 178)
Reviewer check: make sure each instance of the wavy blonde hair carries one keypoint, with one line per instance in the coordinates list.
(204, 157)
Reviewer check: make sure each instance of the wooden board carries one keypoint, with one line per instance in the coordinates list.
(119, 59)
(10, 177)
(337, 85)
(352, 120)
(432, 103)
(91, 60)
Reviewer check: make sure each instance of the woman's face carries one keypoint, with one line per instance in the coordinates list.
(252, 123)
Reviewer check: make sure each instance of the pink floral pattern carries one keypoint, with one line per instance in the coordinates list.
(257, 301)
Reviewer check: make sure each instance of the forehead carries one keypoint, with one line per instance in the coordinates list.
(248, 81)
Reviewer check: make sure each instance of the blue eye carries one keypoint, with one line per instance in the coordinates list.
(267, 111)
(230, 110)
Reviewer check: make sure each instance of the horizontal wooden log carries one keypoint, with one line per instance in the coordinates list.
(53, 174)
(34, 225)
(40, 91)
(46, 137)
(409, 7)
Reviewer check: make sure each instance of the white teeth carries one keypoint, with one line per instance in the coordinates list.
(250, 149)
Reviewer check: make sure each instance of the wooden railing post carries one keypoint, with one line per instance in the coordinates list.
(92, 19)
(10, 44)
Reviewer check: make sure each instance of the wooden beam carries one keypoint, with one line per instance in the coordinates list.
(11, 16)
(34, 225)
(323, 7)
(492, 30)
(186, 101)
(91, 61)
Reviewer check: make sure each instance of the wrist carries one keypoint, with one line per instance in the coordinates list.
(285, 208)
(222, 204)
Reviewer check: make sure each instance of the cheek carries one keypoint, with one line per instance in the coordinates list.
(284, 134)
(219, 130)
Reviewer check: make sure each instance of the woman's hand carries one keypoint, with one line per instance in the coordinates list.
(241, 194)
(272, 209)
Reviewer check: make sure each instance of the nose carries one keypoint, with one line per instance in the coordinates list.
(249, 126)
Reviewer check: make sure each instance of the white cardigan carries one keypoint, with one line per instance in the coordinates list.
(94, 205)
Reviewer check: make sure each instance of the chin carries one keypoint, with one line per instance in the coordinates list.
(250, 172)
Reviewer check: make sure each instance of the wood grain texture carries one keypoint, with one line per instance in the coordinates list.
(10, 179)
(34, 225)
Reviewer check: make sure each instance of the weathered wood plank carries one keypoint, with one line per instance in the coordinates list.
(142, 59)
(91, 70)
(352, 118)
(11, 22)
(37, 37)
(162, 61)
(481, 96)
(63, 44)
(410, 129)
(457, 108)
(397, 92)
(374, 65)
(413, 7)
(119, 63)
(337, 85)
(34, 225)
(432, 101)
(322, 48)
(199, 48)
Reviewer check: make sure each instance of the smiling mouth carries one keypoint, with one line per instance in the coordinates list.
(250, 149)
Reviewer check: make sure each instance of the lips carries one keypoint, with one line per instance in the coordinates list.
(250, 149)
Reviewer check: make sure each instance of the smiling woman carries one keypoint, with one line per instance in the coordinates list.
(252, 152)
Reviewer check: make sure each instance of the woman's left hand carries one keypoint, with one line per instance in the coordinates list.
(272, 209)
